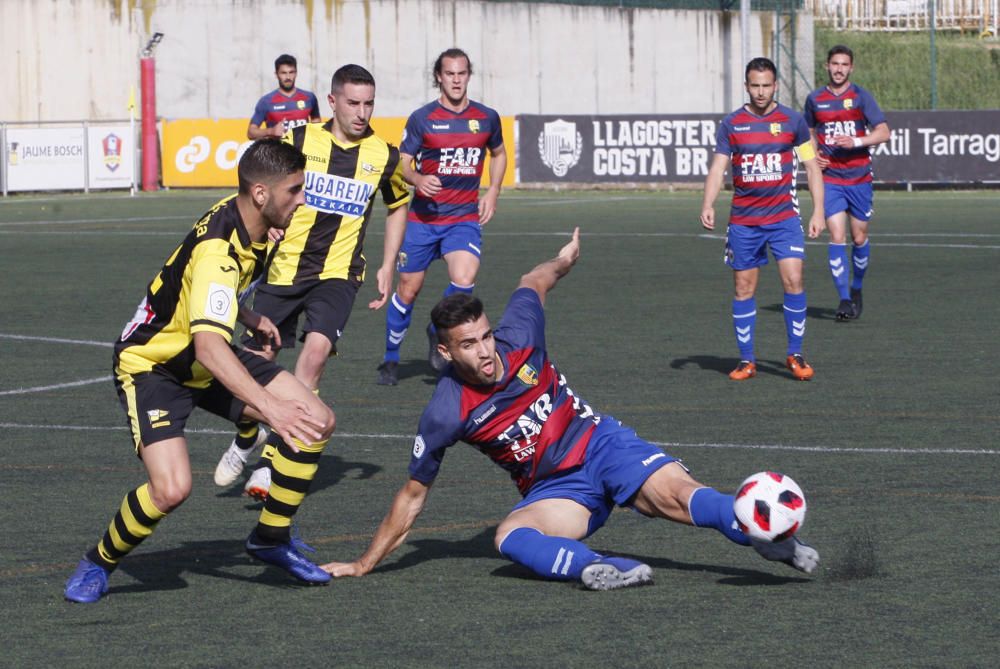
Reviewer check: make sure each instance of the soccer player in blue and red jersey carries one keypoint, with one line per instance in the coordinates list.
(846, 122)
(765, 141)
(503, 395)
(286, 106)
(443, 152)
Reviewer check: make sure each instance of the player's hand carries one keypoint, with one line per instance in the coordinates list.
(266, 334)
(816, 224)
(822, 160)
(488, 206)
(383, 283)
(843, 141)
(292, 421)
(339, 569)
(429, 185)
(571, 251)
(275, 235)
(276, 130)
(708, 218)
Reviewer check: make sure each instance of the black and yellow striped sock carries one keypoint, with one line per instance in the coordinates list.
(292, 473)
(135, 520)
(246, 433)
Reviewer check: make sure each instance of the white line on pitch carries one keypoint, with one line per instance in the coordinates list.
(57, 340)
(770, 447)
(57, 386)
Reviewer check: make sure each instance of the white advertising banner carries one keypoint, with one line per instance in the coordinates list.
(110, 152)
(45, 159)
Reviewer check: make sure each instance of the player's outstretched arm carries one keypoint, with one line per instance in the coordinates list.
(544, 277)
(391, 533)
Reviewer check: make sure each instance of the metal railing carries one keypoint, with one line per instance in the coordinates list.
(978, 16)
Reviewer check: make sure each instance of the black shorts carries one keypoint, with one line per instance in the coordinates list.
(158, 406)
(327, 304)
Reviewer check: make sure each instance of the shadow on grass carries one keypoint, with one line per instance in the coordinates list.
(729, 575)
(714, 363)
(332, 470)
(166, 570)
(817, 313)
(425, 550)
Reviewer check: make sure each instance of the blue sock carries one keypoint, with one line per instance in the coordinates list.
(744, 322)
(397, 322)
(455, 288)
(795, 321)
(710, 508)
(838, 268)
(553, 558)
(860, 264)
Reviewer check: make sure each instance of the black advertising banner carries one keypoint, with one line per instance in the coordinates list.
(925, 147)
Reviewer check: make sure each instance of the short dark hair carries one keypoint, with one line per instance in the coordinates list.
(350, 74)
(268, 161)
(285, 59)
(840, 49)
(453, 52)
(760, 65)
(454, 310)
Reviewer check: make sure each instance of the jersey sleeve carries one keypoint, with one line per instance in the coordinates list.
(496, 137)
(413, 135)
(722, 139)
(215, 276)
(314, 109)
(809, 111)
(395, 192)
(437, 431)
(259, 112)
(523, 321)
(873, 113)
(802, 135)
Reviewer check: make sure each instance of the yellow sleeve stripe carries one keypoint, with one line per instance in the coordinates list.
(806, 151)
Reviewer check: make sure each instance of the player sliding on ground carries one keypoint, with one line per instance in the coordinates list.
(503, 395)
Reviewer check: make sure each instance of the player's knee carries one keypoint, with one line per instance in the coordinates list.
(329, 421)
(170, 494)
(860, 238)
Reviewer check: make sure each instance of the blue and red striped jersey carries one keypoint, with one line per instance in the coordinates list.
(851, 113)
(529, 423)
(761, 151)
(292, 111)
(453, 146)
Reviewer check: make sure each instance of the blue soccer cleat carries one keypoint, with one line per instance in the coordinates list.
(288, 556)
(611, 573)
(88, 583)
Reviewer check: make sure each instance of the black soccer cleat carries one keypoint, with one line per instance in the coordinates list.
(846, 311)
(388, 374)
(856, 301)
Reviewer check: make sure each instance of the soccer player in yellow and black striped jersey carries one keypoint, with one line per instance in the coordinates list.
(176, 354)
(319, 265)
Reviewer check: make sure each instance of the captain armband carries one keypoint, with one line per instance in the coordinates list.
(805, 151)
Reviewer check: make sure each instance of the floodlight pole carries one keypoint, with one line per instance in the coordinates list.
(744, 34)
(150, 145)
(933, 17)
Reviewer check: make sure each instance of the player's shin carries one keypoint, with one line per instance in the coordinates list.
(860, 261)
(795, 320)
(710, 508)
(397, 322)
(744, 324)
(837, 257)
(136, 519)
(554, 558)
(292, 475)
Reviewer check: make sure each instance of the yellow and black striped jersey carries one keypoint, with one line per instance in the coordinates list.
(326, 237)
(195, 291)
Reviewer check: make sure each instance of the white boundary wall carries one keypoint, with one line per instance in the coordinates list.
(77, 59)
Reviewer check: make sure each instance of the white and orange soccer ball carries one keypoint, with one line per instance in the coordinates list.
(770, 507)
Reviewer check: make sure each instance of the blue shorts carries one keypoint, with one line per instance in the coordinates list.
(746, 245)
(424, 243)
(617, 464)
(856, 200)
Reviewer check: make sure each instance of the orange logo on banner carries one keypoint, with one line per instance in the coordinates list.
(202, 153)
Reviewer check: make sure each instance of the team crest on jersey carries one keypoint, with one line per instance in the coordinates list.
(473, 126)
(775, 129)
(528, 375)
(848, 103)
(560, 146)
(157, 417)
(301, 104)
(368, 168)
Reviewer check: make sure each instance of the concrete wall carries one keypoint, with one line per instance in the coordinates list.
(73, 59)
